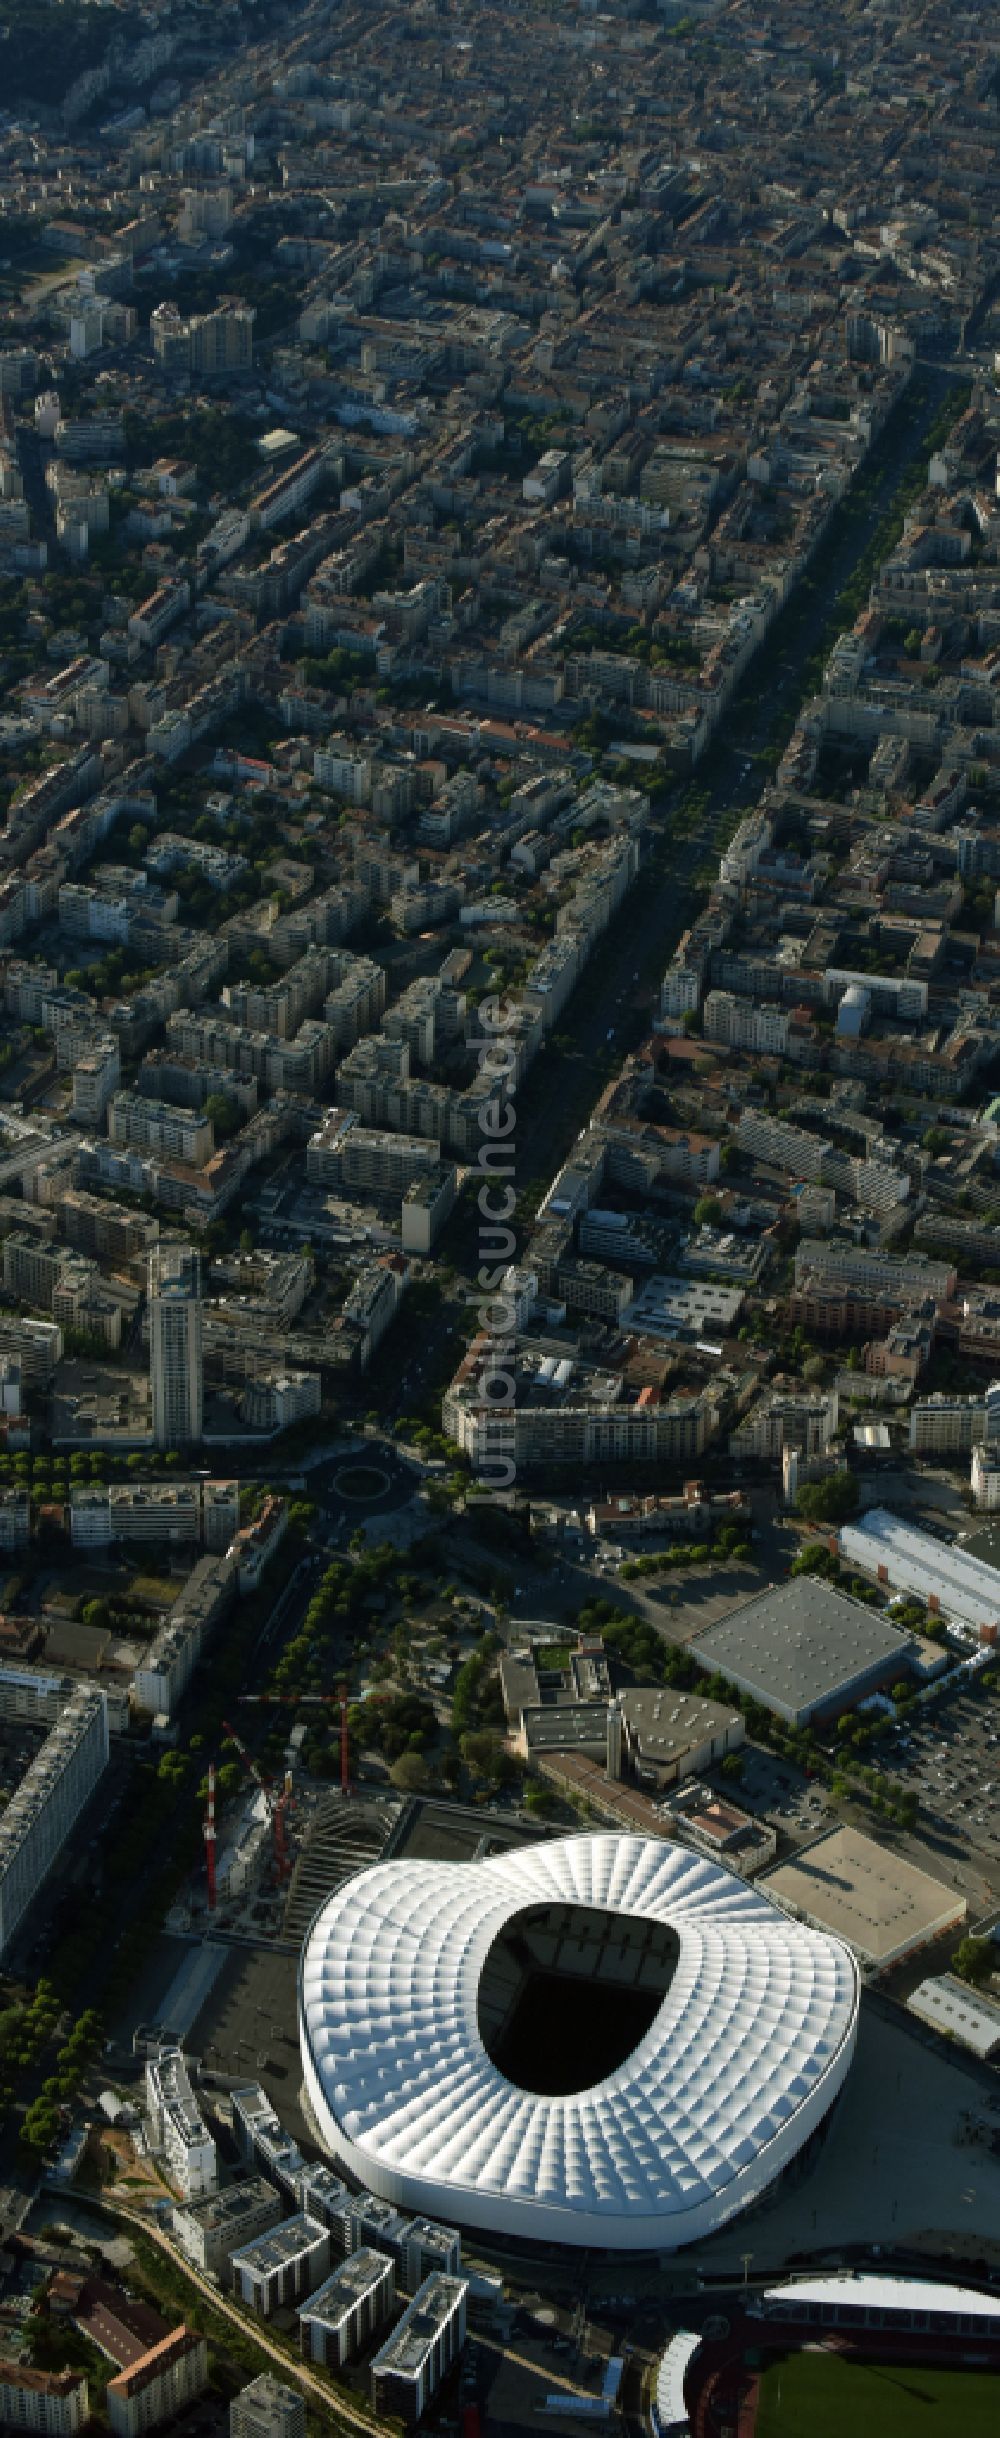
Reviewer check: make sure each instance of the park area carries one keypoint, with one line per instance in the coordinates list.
(815, 2394)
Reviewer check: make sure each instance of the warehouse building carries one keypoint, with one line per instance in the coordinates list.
(344, 2313)
(963, 1589)
(407, 2372)
(881, 1906)
(805, 1650)
(961, 2013)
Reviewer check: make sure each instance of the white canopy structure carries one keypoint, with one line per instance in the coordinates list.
(413, 1972)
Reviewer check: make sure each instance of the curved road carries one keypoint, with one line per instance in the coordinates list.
(289, 2366)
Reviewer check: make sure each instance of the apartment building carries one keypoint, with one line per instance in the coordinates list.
(372, 1303)
(425, 2246)
(345, 1156)
(175, 1345)
(787, 1419)
(209, 2231)
(408, 2369)
(580, 1418)
(160, 2386)
(348, 2309)
(170, 1659)
(102, 1514)
(946, 1426)
(738, 1025)
(268, 2409)
(43, 1812)
(156, 1126)
(281, 2267)
(96, 1077)
(55, 2403)
(178, 2127)
(264, 2142)
(15, 1518)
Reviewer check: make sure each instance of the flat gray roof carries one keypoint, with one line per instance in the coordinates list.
(801, 1645)
(406, 2350)
(339, 2296)
(879, 1903)
(284, 2243)
(669, 1723)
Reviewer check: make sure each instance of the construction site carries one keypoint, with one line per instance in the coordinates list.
(224, 1986)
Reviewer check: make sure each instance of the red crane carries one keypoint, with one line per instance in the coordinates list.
(276, 1799)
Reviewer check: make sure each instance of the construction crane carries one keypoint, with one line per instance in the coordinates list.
(277, 1800)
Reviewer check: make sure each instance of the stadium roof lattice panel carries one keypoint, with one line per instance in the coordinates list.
(743, 2058)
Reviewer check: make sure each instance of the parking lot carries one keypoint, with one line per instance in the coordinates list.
(780, 1794)
(947, 1753)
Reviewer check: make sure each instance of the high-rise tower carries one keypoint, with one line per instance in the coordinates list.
(175, 1352)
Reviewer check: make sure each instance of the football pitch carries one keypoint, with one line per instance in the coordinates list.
(820, 2395)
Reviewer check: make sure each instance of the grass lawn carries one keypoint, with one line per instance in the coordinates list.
(819, 2395)
(157, 1590)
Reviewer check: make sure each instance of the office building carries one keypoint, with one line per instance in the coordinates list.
(952, 1583)
(407, 2371)
(347, 2310)
(175, 1345)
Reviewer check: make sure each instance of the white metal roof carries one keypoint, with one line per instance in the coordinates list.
(947, 2004)
(967, 1588)
(878, 2291)
(744, 2056)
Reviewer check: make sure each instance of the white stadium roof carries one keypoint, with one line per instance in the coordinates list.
(741, 2060)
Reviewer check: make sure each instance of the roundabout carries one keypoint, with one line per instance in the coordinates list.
(362, 1484)
(354, 1486)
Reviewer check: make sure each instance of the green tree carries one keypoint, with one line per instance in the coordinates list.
(975, 1959)
(409, 1774)
(830, 1501)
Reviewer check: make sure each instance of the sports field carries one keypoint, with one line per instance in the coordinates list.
(819, 2395)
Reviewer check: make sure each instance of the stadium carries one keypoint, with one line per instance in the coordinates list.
(598, 2041)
